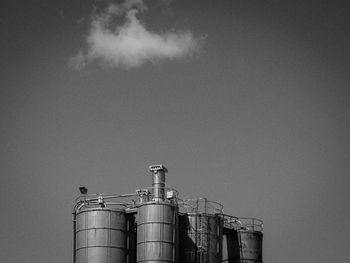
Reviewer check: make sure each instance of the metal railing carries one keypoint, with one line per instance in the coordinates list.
(124, 201)
(243, 223)
(121, 201)
(166, 194)
(200, 205)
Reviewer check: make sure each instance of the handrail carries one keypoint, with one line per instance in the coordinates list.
(123, 200)
(201, 205)
(167, 190)
(243, 223)
(94, 197)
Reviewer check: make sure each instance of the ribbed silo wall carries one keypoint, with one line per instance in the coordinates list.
(101, 236)
(243, 246)
(157, 232)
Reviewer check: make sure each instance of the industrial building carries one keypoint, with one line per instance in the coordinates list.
(155, 225)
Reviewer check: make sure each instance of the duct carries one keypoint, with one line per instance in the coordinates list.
(158, 181)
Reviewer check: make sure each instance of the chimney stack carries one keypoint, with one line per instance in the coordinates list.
(158, 181)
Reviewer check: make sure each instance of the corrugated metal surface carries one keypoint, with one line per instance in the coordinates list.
(243, 246)
(101, 236)
(156, 232)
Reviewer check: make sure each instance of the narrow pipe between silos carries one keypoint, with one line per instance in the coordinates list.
(74, 235)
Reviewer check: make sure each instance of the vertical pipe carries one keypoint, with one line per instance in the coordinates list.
(158, 185)
(74, 233)
(132, 242)
(220, 235)
(158, 181)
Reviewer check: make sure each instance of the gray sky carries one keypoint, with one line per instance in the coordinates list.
(253, 114)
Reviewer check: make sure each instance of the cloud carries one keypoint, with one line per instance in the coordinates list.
(131, 44)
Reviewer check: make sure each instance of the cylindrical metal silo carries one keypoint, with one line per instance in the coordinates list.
(157, 232)
(200, 238)
(243, 243)
(244, 247)
(101, 236)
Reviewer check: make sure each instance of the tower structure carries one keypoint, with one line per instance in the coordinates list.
(154, 225)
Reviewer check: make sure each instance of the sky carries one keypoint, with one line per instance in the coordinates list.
(245, 102)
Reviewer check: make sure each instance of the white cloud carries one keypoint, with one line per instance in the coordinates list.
(131, 44)
(78, 61)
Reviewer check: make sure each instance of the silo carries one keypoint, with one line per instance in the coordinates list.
(243, 243)
(101, 236)
(200, 238)
(156, 232)
(157, 221)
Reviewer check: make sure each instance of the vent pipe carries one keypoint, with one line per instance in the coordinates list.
(158, 181)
